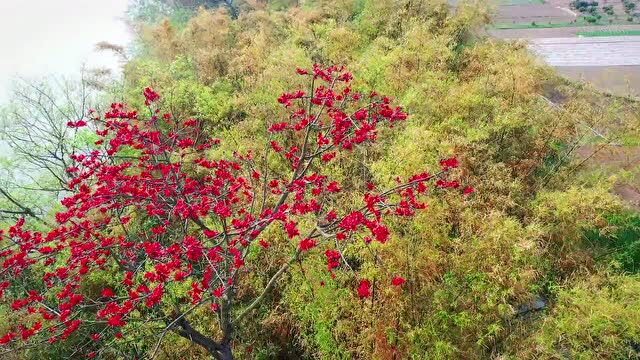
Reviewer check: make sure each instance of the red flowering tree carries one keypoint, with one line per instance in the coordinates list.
(199, 216)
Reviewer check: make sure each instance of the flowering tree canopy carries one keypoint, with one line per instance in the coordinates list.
(200, 217)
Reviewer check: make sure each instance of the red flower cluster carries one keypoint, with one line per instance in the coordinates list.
(398, 281)
(150, 96)
(286, 99)
(364, 289)
(333, 259)
(307, 244)
(450, 163)
(76, 124)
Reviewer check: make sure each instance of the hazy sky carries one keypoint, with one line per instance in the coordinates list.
(44, 37)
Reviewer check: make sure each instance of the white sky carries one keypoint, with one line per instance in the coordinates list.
(56, 37)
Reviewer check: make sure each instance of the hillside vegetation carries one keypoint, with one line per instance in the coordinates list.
(540, 262)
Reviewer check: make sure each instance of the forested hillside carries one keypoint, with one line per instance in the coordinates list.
(345, 179)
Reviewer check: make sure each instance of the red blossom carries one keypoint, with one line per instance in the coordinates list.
(291, 229)
(450, 163)
(364, 289)
(210, 233)
(185, 143)
(106, 292)
(155, 296)
(333, 259)
(218, 292)
(398, 281)
(287, 98)
(194, 249)
(333, 187)
(381, 233)
(70, 328)
(444, 184)
(5, 339)
(150, 96)
(307, 244)
(352, 221)
(191, 122)
(277, 127)
(116, 321)
(76, 124)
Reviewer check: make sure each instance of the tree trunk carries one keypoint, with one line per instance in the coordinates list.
(224, 317)
(225, 352)
(219, 351)
(233, 10)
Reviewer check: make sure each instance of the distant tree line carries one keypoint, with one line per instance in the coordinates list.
(150, 10)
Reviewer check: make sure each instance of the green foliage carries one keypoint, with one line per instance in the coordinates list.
(183, 93)
(466, 96)
(152, 11)
(534, 228)
(622, 242)
(598, 318)
(567, 214)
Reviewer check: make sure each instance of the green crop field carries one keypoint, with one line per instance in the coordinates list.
(534, 25)
(578, 22)
(609, 33)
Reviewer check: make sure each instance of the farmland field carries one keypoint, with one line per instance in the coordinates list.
(572, 31)
(589, 51)
(528, 13)
(520, 14)
(609, 33)
(618, 80)
(603, 50)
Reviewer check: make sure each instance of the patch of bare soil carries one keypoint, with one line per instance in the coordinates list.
(616, 80)
(630, 194)
(621, 157)
(615, 158)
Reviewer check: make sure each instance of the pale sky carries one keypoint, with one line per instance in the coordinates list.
(56, 37)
